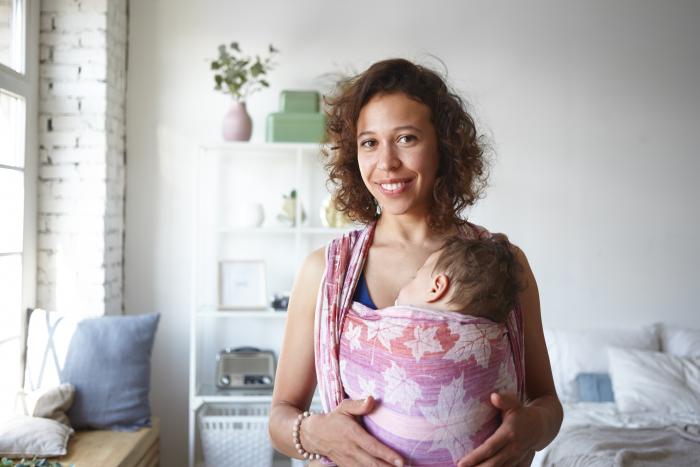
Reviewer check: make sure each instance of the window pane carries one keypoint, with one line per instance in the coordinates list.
(9, 369)
(12, 125)
(12, 34)
(11, 210)
(10, 296)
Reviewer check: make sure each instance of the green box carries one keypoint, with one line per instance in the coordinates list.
(290, 127)
(299, 101)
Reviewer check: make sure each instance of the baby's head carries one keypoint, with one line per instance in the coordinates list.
(478, 277)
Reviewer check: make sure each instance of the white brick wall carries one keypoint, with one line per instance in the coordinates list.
(82, 143)
(116, 43)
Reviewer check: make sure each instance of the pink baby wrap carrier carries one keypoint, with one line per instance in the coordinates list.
(432, 372)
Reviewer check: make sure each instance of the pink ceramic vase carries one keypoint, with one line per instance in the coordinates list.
(237, 125)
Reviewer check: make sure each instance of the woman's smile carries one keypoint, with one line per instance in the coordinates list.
(394, 187)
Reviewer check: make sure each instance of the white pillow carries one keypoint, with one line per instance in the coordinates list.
(48, 339)
(583, 351)
(680, 341)
(654, 381)
(26, 437)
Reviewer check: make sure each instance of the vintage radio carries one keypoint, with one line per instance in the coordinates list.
(245, 367)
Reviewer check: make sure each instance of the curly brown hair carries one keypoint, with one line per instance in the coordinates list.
(485, 276)
(462, 171)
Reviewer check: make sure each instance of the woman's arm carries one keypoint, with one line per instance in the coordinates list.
(337, 434)
(295, 380)
(533, 425)
(539, 384)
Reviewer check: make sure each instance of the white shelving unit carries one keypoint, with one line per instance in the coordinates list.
(229, 175)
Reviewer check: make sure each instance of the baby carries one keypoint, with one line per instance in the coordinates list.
(432, 360)
(475, 277)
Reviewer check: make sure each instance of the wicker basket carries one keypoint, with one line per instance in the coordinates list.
(235, 435)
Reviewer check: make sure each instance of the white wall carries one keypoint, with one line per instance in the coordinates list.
(593, 109)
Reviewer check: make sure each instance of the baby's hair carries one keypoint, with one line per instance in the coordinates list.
(484, 275)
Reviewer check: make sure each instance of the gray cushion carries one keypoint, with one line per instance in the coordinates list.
(25, 437)
(109, 363)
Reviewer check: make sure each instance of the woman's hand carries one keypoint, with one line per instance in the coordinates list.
(338, 436)
(514, 441)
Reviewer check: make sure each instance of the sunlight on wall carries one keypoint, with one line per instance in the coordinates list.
(80, 276)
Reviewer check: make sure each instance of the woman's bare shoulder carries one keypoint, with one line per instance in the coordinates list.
(308, 281)
(314, 265)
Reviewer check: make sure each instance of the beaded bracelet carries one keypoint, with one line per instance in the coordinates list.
(295, 437)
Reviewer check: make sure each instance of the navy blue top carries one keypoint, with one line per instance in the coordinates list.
(362, 293)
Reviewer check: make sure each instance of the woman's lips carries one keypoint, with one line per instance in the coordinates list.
(394, 187)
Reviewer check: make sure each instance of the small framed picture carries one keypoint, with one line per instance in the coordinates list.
(242, 285)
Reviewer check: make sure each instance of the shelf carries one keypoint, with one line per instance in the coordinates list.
(285, 230)
(258, 230)
(243, 147)
(208, 312)
(228, 175)
(210, 394)
(326, 230)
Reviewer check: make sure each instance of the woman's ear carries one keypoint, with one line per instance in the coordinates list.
(439, 286)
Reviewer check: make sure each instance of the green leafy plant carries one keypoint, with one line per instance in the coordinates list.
(241, 75)
(5, 462)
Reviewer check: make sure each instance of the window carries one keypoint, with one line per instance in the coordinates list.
(19, 38)
(12, 26)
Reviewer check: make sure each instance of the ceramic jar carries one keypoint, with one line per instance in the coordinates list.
(237, 125)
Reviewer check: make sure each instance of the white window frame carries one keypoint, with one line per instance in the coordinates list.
(26, 85)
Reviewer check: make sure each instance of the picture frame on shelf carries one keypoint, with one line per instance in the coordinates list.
(242, 285)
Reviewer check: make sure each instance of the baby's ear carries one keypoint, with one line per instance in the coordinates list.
(439, 286)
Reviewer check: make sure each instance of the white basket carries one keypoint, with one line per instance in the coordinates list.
(235, 435)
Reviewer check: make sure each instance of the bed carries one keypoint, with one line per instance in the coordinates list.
(598, 434)
(631, 397)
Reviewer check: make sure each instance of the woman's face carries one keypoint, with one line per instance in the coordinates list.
(397, 153)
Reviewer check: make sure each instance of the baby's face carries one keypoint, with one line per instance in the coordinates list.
(417, 291)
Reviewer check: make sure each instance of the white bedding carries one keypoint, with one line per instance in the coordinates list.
(605, 414)
(645, 373)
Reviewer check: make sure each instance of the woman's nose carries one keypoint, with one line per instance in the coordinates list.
(387, 159)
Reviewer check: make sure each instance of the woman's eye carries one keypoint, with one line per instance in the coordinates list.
(368, 143)
(406, 138)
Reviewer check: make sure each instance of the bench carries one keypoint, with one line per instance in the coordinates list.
(102, 448)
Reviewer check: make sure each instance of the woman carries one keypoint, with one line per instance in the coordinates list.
(408, 161)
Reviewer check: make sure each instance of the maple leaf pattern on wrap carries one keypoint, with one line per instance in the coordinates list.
(352, 334)
(506, 381)
(424, 342)
(455, 421)
(384, 331)
(476, 343)
(367, 387)
(400, 389)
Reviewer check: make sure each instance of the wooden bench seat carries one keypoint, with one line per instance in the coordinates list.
(101, 448)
